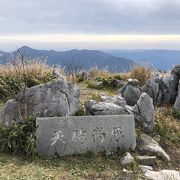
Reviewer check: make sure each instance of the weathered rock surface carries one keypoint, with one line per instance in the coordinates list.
(131, 92)
(146, 160)
(58, 98)
(104, 108)
(152, 89)
(145, 168)
(177, 102)
(176, 71)
(170, 91)
(117, 99)
(126, 159)
(146, 145)
(163, 175)
(163, 89)
(144, 113)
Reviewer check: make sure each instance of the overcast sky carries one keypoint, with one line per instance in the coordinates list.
(32, 21)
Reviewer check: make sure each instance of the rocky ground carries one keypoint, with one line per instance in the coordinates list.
(155, 106)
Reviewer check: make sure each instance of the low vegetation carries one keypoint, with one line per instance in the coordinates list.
(20, 138)
(21, 73)
(141, 72)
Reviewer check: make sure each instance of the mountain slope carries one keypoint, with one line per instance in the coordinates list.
(160, 59)
(82, 58)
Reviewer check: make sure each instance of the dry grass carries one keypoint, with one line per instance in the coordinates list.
(95, 72)
(141, 72)
(29, 68)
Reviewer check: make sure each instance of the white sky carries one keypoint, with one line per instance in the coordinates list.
(92, 24)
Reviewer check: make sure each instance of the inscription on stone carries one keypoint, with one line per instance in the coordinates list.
(72, 135)
(79, 136)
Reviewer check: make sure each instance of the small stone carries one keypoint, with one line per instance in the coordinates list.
(146, 160)
(126, 159)
(145, 168)
(163, 175)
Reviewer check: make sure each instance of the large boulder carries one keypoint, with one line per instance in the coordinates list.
(104, 108)
(131, 92)
(144, 113)
(58, 98)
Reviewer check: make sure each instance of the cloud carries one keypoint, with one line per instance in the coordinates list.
(89, 16)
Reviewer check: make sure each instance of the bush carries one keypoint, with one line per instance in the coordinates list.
(19, 138)
(141, 72)
(176, 114)
(81, 110)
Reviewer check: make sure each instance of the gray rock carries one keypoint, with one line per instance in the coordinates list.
(146, 160)
(104, 108)
(163, 175)
(177, 102)
(133, 82)
(57, 98)
(130, 93)
(170, 91)
(100, 84)
(145, 168)
(162, 90)
(127, 159)
(146, 145)
(117, 99)
(176, 71)
(152, 89)
(145, 114)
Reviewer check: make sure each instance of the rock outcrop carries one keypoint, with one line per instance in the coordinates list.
(58, 98)
(164, 89)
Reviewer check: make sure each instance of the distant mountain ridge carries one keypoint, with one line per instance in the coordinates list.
(84, 58)
(160, 59)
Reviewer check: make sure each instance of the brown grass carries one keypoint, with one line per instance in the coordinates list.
(95, 72)
(141, 72)
(29, 68)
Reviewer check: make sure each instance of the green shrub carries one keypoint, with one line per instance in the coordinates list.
(81, 110)
(19, 138)
(176, 114)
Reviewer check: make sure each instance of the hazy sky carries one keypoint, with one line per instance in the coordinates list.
(94, 24)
